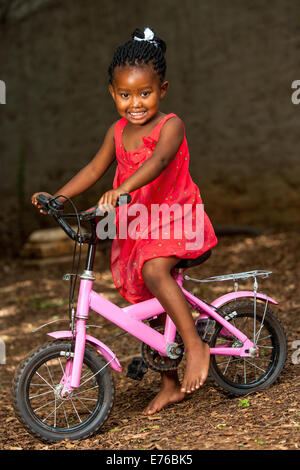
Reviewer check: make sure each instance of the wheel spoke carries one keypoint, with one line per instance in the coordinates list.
(75, 410)
(55, 409)
(254, 365)
(65, 415)
(51, 379)
(43, 406)
(82, 398)
(94, 375)
(84, 405)
(266, 337)
(230, 358)
(83, 391)
(45, 381)
(40, 394)
(89, 373)
(226, 362)
(61, 366)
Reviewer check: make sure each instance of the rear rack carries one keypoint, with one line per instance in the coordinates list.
(231, 277)
(235, 277)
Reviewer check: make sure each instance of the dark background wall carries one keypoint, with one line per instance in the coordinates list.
(230, 67)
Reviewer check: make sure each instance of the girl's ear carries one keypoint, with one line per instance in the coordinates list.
(112, 92)
(163, 89)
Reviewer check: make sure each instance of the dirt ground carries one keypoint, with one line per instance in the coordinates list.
(206, 419)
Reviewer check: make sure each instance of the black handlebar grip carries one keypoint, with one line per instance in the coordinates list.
(42, 199)
(50, 203)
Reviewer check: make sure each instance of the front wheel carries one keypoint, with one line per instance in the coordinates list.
(242, 375)
(39, 405)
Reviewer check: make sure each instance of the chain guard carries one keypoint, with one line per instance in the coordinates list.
(159, 363)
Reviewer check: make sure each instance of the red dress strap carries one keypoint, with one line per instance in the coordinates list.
(156, 131)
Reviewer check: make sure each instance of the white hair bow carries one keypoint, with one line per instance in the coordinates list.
(148, 36)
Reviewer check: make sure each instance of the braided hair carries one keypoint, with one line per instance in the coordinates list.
(143, 48)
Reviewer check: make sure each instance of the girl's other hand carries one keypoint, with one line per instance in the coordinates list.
(36, 203)
(109, 199)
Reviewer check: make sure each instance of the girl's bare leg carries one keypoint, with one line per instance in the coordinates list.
(170, 386)
(157, 276)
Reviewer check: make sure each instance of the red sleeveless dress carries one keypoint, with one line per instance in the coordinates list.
(173, 186)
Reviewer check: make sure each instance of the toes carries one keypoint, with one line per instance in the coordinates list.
(192, 386)
(189, 387)
(186, 387)
(183, 388)
(149, 411)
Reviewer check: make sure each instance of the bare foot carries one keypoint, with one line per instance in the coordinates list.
(197, 366)
(170, 393)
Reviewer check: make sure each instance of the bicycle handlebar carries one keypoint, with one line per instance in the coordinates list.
(55, 208)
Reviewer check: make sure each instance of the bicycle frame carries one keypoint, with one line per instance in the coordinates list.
(131, 319)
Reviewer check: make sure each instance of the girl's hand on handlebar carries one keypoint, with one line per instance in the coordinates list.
(36, 203)
(109, 199)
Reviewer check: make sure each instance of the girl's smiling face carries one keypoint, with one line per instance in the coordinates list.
(137, 91)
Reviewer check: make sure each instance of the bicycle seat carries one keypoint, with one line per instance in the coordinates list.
(189, 263)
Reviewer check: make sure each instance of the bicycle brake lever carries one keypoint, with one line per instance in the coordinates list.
(94, 210)
(56, 204)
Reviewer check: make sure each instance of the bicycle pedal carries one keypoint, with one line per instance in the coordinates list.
(137, 369)
(206, 327)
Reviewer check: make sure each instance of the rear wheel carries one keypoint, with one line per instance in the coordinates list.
(39, 405)
(242, 375)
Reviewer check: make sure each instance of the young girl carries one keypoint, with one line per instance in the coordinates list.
(153, 161)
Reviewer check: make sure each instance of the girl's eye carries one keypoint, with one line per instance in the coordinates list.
(124, 95)
(145, 93)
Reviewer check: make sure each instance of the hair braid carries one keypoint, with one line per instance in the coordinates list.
(140, 50)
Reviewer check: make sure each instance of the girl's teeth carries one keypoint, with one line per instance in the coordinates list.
(137, 114)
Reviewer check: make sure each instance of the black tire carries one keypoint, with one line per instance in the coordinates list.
(230, 372)
(75, 417)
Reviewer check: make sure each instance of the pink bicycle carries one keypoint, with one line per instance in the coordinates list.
(64, 389)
